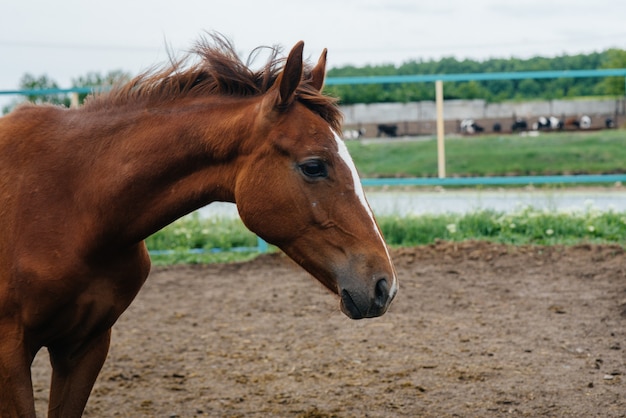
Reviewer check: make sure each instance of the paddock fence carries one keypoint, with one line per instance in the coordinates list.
(438, 80)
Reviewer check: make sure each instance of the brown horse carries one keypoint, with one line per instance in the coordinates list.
(80, 189)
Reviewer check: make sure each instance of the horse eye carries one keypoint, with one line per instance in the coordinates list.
(314, 169)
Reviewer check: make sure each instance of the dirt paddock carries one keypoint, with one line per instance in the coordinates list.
(477, 330)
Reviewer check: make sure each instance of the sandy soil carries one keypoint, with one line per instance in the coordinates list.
(477, 330)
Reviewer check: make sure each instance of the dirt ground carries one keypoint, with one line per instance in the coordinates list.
(477, 330)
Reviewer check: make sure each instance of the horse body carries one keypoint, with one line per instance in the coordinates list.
(82, 188)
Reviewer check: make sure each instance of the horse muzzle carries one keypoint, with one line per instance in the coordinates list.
(358, 302)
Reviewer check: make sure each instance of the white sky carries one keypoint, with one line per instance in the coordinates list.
(69, 38)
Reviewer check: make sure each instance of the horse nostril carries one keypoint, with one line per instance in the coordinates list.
(381, 293)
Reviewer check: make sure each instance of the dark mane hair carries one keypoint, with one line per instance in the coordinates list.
(219, 72)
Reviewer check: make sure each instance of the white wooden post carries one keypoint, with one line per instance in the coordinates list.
(441, 151)
(74, 100)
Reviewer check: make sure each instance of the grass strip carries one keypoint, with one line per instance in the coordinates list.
(525, 225)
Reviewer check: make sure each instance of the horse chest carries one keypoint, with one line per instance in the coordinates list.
(72, 309)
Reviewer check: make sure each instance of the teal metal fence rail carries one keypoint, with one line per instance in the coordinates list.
(521, 75)
(44, 92)
(500, 181)
(396, 79)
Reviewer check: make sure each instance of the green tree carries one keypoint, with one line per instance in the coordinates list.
(43, 82)
(94, 80)
(614, 86)
(471, 90)
(494, 91)
(529, 88)
(99, 82)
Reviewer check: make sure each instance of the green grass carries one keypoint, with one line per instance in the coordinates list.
(227, 236)
(181, 257)
(193, 232)
(524, 226)
(496, 155)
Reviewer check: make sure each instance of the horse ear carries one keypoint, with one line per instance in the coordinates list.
(290, 78)
(318, 73)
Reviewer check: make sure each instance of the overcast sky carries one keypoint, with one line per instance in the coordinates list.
(69, 38)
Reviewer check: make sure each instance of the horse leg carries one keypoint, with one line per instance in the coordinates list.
(16, 386)
(73, 376)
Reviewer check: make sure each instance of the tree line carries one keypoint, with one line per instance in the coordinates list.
(44, 82)
(492, 91)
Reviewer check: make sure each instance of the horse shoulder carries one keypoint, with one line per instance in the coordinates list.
(65, 296)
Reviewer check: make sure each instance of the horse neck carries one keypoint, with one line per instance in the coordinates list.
(158, 165)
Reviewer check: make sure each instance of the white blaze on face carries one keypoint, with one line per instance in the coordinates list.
(358, 189)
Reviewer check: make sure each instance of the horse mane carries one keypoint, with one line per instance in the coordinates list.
(219, 72)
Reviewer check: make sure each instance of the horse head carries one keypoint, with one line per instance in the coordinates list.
(299, 190)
